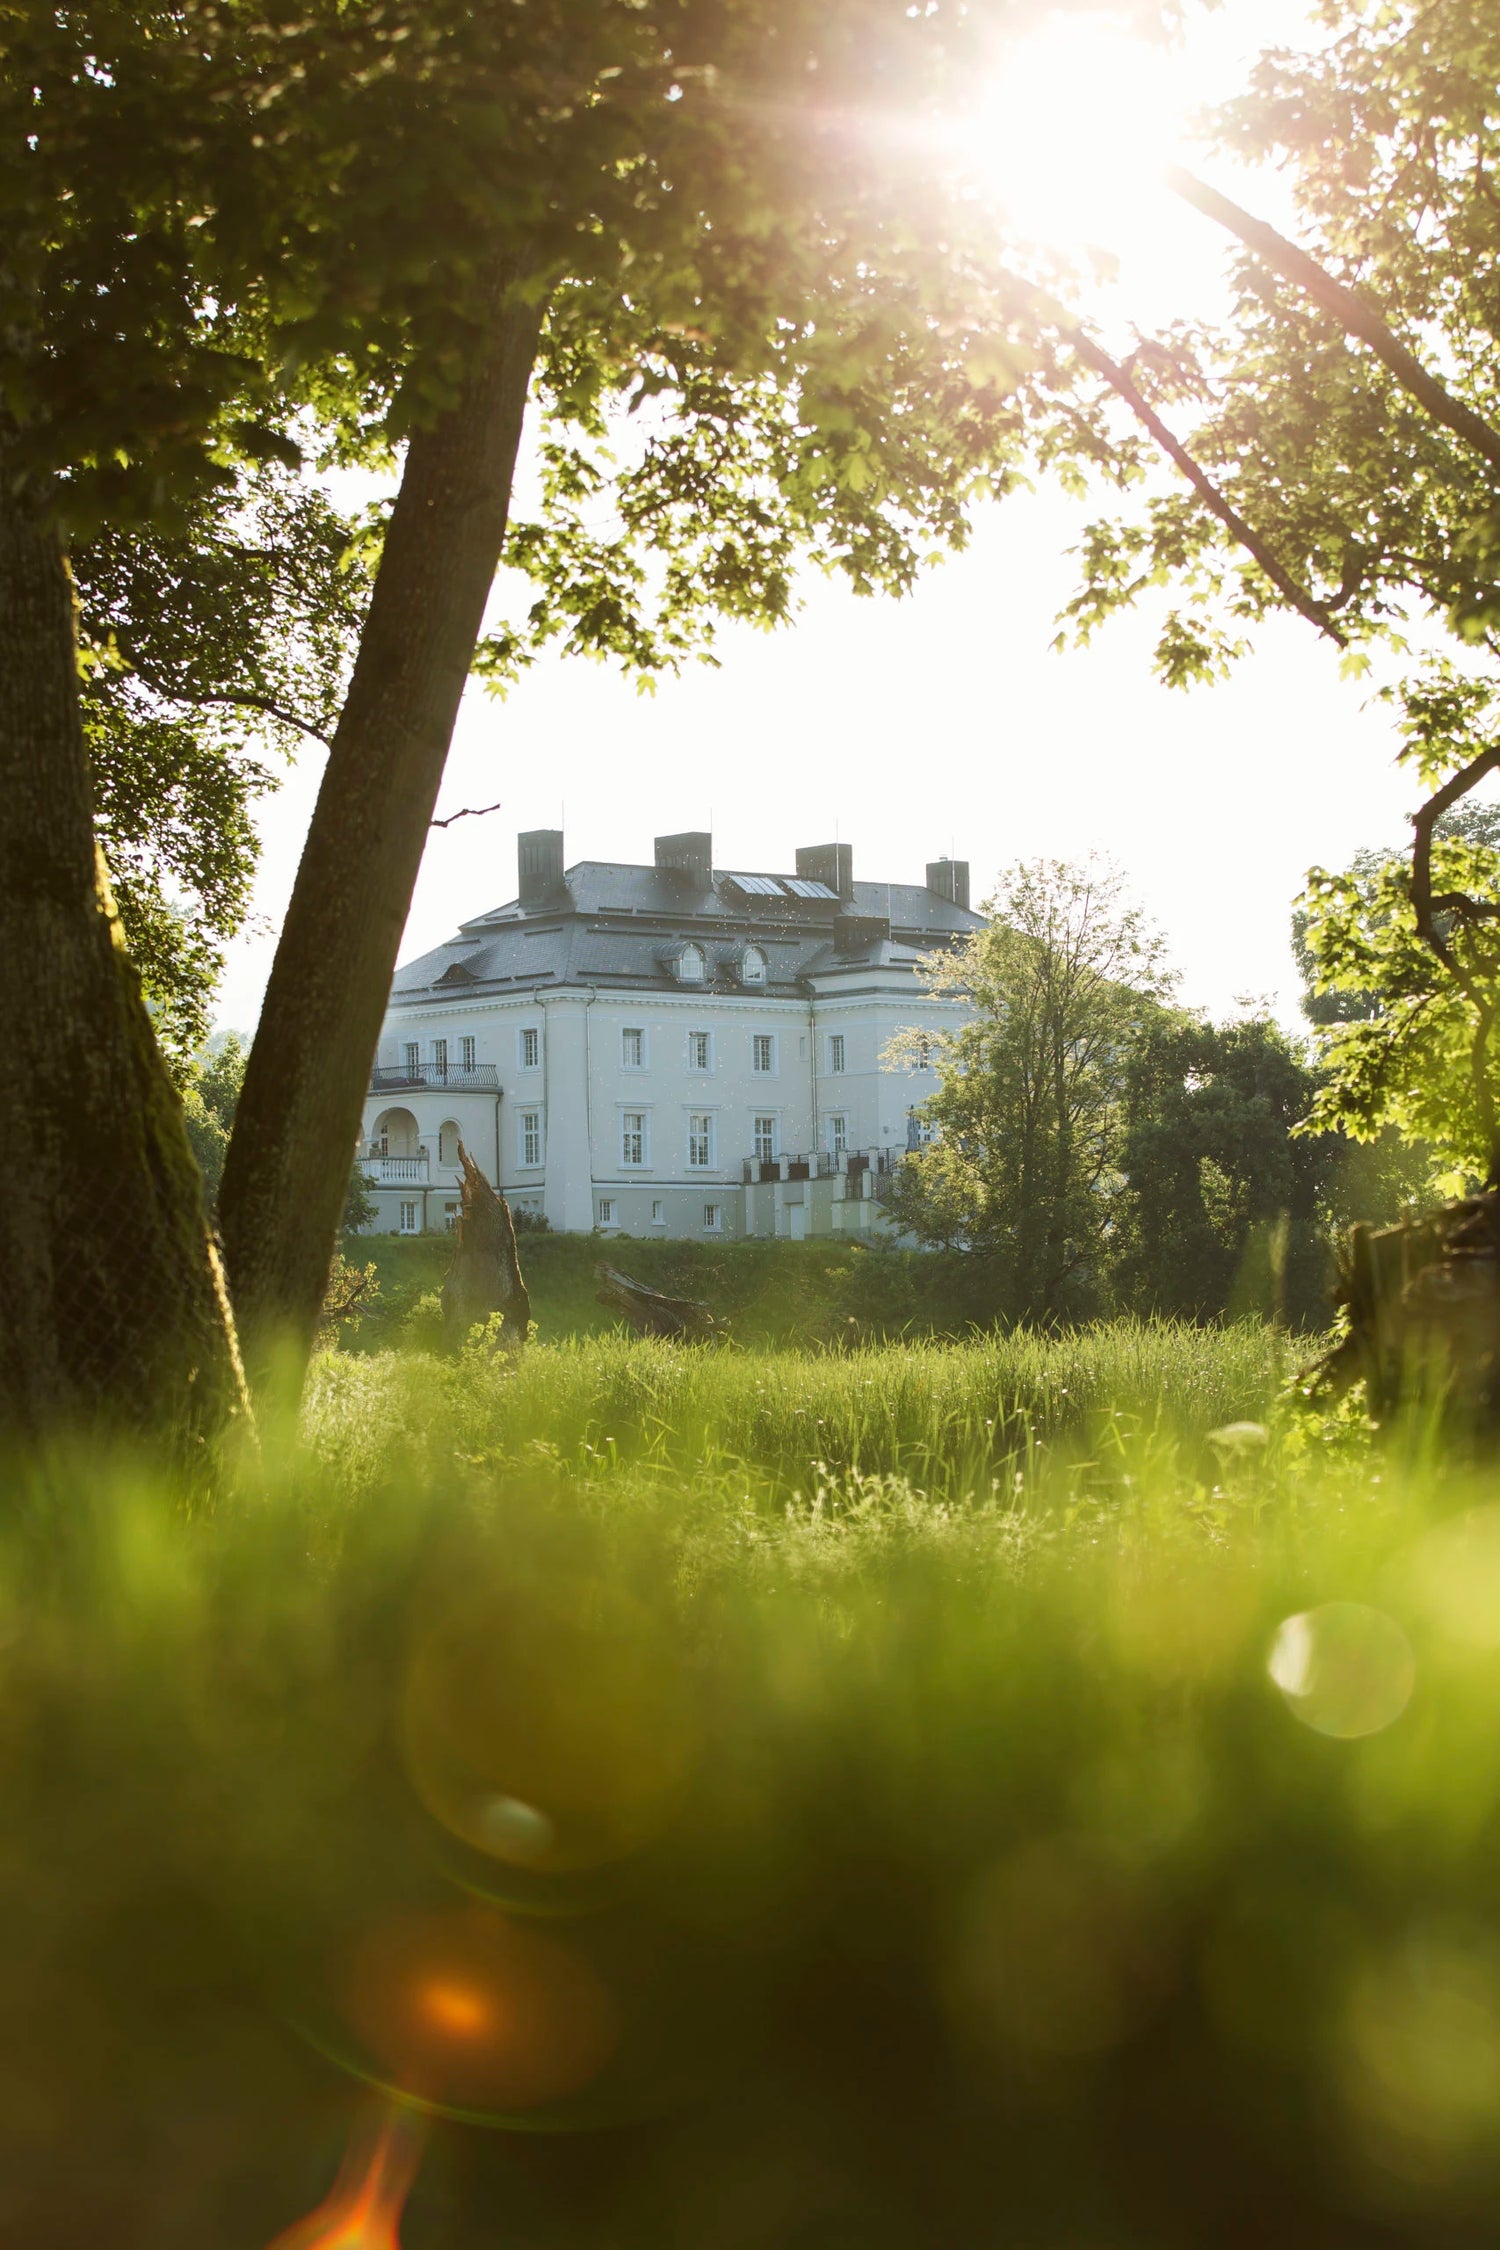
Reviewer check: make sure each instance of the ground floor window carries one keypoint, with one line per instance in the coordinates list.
(658, 1212)
(632, 1136)
(408, 1218)
(606, 1211)
(450, 1216)
(713, 1218)
(531, 1136)
(765, 1138)
(838, 1134)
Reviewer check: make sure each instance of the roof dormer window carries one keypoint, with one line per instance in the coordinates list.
(753, 966)
(692, 965)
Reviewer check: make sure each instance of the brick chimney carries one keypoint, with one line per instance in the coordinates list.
(690, 855)
(539, 865)
(832, 864)
(950, 879)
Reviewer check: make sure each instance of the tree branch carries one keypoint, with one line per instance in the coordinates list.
(238, 697)
(1208, 492)
(467, 812)
(1423, 904)
(1350, 311)
(272, 711)
(1423, 823)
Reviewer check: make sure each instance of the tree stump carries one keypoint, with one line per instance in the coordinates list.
(1423, 1302)
(653, 1313)
(485, 1275)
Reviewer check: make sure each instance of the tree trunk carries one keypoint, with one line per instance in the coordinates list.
(652, 1312)
(485, 1276)
(112, 1303)
(287, 1168)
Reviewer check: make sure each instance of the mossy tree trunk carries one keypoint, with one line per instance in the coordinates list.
(287, 1169)
(112, 1302)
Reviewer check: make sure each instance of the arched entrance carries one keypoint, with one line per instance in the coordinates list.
(395, 1133)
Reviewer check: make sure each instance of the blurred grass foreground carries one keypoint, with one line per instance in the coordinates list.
(1022, 1792)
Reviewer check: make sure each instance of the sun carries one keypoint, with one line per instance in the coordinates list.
(1070, 135)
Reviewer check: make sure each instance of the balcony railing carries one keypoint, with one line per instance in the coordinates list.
(395, 1171)
(473, 1078)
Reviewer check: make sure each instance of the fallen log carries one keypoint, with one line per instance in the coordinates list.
(653, 1313)
(485, 1275)
(1422, 1303)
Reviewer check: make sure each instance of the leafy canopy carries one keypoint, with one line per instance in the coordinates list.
(1386, 131)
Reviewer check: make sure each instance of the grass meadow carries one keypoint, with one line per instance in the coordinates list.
(1017, 1791)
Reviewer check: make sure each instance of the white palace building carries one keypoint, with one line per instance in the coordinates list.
(676, 1049)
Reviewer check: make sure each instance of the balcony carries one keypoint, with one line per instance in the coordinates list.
(395, 1171)
(818, 1164)
(455, 1078)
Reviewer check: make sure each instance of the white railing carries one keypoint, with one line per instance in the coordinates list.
(396, 1171)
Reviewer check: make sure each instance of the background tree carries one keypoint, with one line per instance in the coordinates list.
(210, 1098)
(1414, 942)
(1029, 1110)
(1220, 1209)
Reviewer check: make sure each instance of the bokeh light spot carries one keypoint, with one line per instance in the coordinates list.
(1345, 1670)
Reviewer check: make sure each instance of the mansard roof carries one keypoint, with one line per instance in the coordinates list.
(608, 924)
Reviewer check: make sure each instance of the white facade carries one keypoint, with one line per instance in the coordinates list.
(684, 1057)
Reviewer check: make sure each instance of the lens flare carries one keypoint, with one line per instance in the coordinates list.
(552, 1736)
(466, 2011)
(363, 2209)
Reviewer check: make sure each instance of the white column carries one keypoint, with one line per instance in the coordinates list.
(568, 1196)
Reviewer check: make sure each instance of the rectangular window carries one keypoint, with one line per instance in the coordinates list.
(658, 1212)
(700, 1050)
(765, 1138)
(450, 1217)
(531, 1136)
(763, 1052)
(466, 1053)
(440, 1057)
(413, 1055)
(836, 1051)
(838, 1134)
(606, 1211)
(408, 1218)
(633, 1050)
(700, 1141)
(712, 1218)
(530, 1047)
(632, 1136)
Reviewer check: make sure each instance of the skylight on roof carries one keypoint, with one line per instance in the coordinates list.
(802, 886)
(757, 886)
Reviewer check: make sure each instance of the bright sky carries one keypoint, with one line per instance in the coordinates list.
(943, 723)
